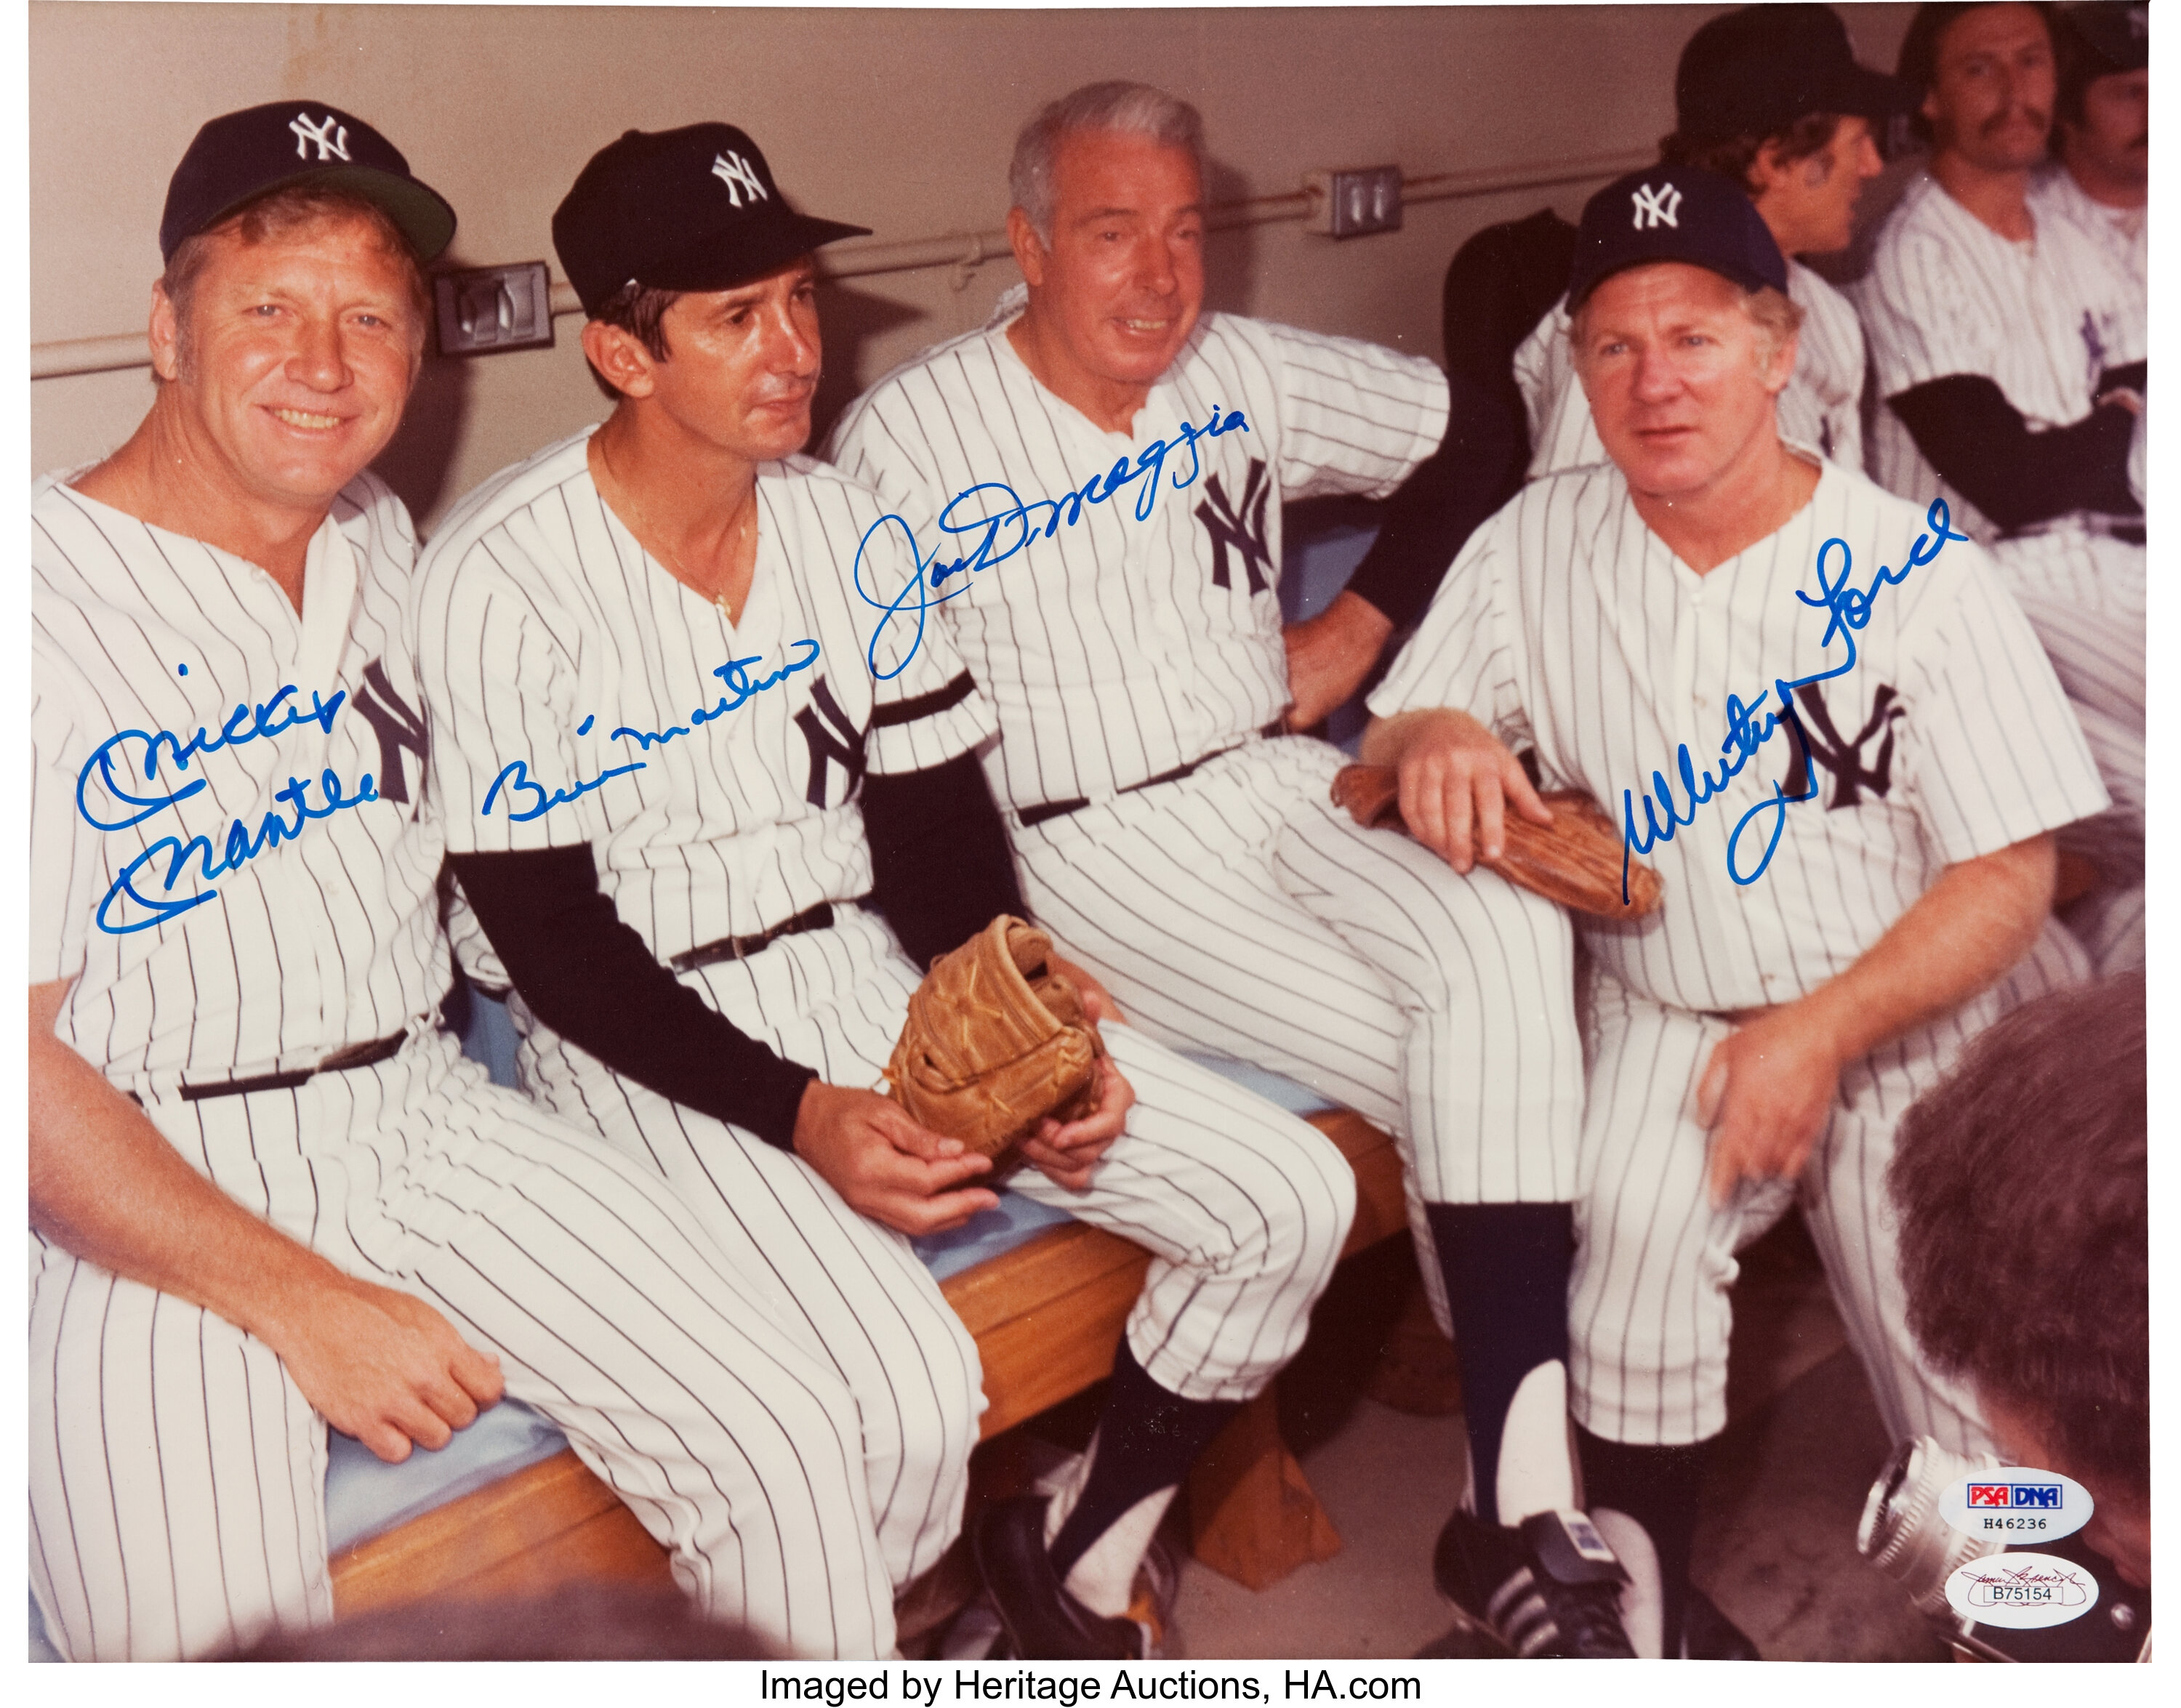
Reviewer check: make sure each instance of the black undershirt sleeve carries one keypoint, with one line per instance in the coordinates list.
(941, 868)
(592, 979)
(1976, 439)
(1478, 467)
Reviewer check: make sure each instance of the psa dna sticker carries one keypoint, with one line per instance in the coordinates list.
(2016, 1508)
(2022, 1592)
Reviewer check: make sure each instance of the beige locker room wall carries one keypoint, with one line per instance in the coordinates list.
(900, 120)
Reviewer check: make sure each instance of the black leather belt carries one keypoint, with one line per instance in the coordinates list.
(741, 948)
(340, 1061)
(1060, 809)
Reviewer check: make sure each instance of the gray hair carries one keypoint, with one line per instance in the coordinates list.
(1136, 108)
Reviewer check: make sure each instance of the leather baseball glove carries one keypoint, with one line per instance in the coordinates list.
(995, 1042)
(1575, 861)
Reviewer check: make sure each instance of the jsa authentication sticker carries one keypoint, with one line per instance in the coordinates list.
(2016, 1508)
(2022, 1592)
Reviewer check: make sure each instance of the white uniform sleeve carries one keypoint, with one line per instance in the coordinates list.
(925, 708)
(1923, 321)
(64, 857)
(1462, 655)
(1993, 754)
(1355, 417)
(501, 688)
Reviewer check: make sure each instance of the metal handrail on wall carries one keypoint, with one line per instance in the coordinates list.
(963, 252)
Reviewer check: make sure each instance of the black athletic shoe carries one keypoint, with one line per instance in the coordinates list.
(1042, 1621)
(1549, 1589)
(1708, 1634)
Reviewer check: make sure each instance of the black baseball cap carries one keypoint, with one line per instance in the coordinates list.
(693, 209)
(1754, 72)
(2113, 37)
(1674, 213)
(239, 156)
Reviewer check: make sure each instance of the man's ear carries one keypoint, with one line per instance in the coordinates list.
(1930, 109)
(620, 355)
(1781, 368)
(165, 335)
(1030, 255)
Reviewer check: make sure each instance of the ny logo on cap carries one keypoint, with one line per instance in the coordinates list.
(731, 169)
(331, 137)
(1656, 208)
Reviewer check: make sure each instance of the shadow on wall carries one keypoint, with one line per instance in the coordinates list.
(851, 319)
(1230, 256)
(416, 464)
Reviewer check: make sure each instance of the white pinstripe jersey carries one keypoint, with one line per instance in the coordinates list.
(1144, 633)
(1567, 625)
(547, 636)
(268, 951)
(2120, 236)
(1946, 294)
(1821, 407)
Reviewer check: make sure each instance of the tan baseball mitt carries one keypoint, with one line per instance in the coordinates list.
(1575, 861)
(995, 1042)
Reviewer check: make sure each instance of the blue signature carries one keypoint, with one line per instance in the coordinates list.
(239, 847)
(123, 754)
(1021, 515)
(247, 723)
(1746, 730)
(741, 686)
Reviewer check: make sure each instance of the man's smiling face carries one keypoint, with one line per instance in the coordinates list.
(1116, 292)
(295, 358)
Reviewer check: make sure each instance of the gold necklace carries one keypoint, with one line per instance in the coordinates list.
(743, 524)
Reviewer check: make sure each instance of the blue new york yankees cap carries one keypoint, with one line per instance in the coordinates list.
(693, 209)
(1674, 213)
(239, 156)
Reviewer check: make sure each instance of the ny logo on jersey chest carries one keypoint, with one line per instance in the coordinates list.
(397, 726)
(1239, 528)
(1844, 758)
(833, 740)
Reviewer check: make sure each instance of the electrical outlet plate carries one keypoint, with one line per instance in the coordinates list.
(1353, 203)
(489, 309)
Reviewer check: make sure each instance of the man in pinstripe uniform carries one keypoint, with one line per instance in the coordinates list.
(2012, 355)
(1771, 96)
(702, 800)
(1817, 710)
(266, 1193)
(1094, 487)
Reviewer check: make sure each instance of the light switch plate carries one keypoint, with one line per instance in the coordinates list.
(1353, 203)
(488, 309)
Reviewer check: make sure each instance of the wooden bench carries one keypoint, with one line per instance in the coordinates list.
(1046, 1315)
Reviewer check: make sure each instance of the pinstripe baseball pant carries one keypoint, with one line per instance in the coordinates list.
(1648, 1314)
(1244, 1206)
(1239, 910)
(177, 1474)
(2085, 596)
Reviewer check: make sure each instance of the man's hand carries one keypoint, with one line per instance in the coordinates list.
(382, 1366)
(1457, 778)
(1766, 1094)
(1069, 1155)
(1330, 654)
(885, 1164)
(1098, 1004)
